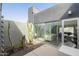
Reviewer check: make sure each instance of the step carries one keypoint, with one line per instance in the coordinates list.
(69, 50)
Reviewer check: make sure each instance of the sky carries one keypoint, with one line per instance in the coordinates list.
(19, 11)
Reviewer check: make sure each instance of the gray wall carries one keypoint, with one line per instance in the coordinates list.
(30, 15)
(51, 14)
(75, 11)
(31, 12)
(58, 12)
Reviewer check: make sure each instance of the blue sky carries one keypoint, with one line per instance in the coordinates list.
(19, 11)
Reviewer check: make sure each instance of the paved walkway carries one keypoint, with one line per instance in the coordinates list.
(46, 50)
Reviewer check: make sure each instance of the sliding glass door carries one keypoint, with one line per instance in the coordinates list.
(69, 32)
(56, 33)
(50, 32)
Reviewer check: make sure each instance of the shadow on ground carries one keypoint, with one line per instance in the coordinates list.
(27, 49)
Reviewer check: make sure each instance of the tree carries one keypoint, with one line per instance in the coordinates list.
(30, 32)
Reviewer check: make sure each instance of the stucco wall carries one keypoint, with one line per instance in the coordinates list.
(31, 12)
(16, 31)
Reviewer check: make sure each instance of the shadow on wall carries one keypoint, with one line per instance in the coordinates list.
(14, 37)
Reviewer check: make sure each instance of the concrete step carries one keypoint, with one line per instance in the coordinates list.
(69, 50)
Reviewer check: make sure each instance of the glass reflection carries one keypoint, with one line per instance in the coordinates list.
(50, 32)
(70, 33)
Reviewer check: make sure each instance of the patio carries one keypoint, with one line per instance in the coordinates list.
(46, 50)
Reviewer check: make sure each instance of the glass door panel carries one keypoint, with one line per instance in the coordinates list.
(53, 33)
(70, 33)
(50, 32)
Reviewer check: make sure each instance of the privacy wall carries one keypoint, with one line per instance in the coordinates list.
(13, 33)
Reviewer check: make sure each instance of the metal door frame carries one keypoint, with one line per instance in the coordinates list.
(70, 19)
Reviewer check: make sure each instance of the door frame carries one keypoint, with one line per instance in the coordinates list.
(70, 19)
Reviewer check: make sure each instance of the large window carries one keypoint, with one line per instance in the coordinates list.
(39, 30)
(49, 32)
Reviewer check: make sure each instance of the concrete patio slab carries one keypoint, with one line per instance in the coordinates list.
(31, 54)
(46, 50)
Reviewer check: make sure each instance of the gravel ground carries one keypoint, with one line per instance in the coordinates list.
(26, 49)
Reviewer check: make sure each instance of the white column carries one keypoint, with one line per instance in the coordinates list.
(62, 32)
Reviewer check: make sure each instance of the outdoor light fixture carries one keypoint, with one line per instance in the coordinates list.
(69, 12)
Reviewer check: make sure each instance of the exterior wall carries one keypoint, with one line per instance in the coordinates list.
(30, 15)
(31, 12)
(0, 10)
(6, 39)
(58, 12)
(75, 11)
(51, 14)
(0, 23)
(78, 34)
(16, 31)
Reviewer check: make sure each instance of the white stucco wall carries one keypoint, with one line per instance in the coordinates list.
(17, 30)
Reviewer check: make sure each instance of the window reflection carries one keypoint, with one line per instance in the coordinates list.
(50, 32)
